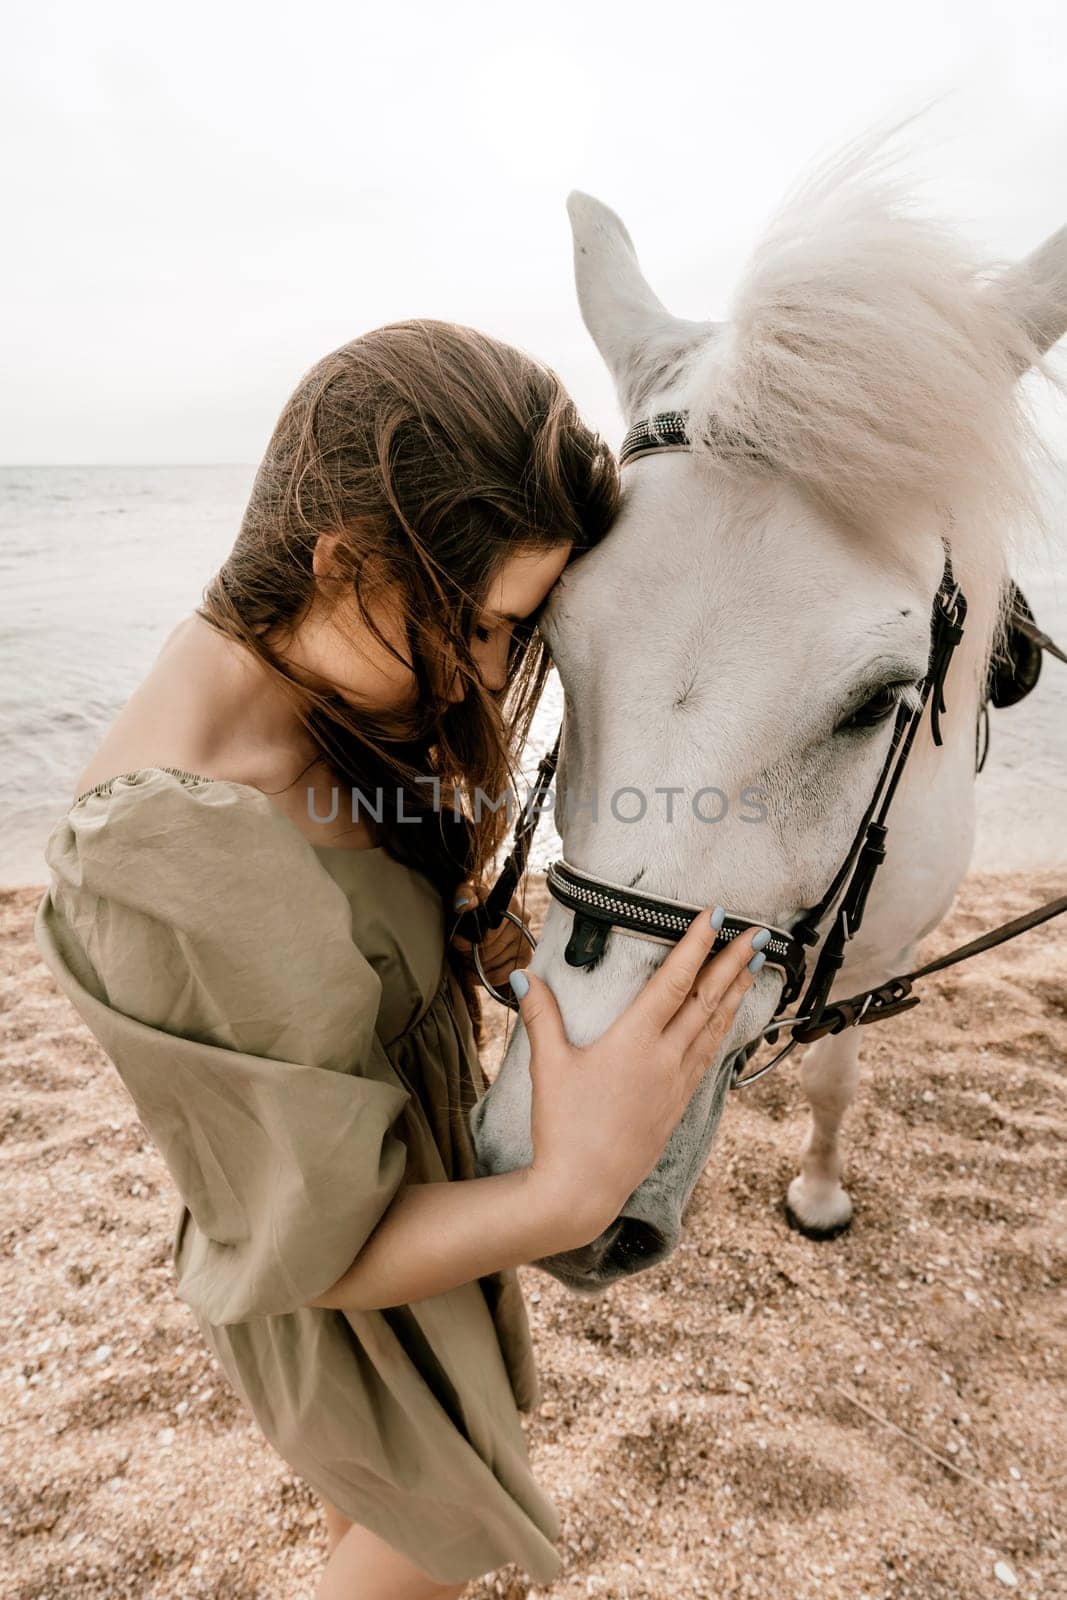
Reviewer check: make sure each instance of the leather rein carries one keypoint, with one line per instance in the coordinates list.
(600, 907)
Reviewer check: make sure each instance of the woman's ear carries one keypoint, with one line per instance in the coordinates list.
(324, 559)
(339, 571)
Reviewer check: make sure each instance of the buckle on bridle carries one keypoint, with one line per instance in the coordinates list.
(949, 616)
(871, 1006)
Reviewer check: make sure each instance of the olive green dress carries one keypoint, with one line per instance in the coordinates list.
(296, 1045)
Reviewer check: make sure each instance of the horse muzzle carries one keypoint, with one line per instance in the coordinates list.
(631, 1244)
(648, 1228)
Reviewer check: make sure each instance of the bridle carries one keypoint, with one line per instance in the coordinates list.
(601, 908)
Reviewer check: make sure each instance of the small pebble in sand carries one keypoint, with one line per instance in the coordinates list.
(1006, 1575)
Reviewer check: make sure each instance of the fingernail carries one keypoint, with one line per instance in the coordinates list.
(756, 962)
(462, 900)
(520, 984)
(718, 917)
(762, 938)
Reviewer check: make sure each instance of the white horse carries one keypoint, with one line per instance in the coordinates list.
(752, 625)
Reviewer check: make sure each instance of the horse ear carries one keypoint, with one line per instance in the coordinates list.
(643, 345)
(1034, 292)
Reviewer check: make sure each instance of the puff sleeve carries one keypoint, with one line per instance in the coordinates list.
(198, 936)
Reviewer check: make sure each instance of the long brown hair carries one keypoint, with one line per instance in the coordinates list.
(432, 452)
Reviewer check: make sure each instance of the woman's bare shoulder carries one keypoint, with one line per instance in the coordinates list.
(192, 712)
(201, 712)
(119, 756)
(165, 721)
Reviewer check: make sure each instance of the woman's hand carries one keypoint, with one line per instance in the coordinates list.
(503, 948)
(601, 1115)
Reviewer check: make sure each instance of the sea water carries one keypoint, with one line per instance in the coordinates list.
(97, 565)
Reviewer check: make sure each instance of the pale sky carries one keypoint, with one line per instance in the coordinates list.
(201, 200)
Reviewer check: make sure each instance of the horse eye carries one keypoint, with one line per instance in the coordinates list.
(876, 708)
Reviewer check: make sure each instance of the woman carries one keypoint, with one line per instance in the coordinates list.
(247, 908)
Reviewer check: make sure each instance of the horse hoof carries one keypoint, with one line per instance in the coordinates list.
(833, 1230)
(822, 1213)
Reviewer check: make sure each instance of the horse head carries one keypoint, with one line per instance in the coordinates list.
(734, 652)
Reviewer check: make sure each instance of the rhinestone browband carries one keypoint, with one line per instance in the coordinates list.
(668, 431)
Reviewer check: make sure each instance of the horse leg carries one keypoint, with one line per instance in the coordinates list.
(817, 1205)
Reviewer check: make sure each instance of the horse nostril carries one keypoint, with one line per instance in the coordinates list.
(636, 1244)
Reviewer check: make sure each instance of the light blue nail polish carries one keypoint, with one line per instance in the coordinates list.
(762, 939)
(756, 962)
(462, 900)
(718, 917)
(520, 984)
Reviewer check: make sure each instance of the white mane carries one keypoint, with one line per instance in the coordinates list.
(869, 359)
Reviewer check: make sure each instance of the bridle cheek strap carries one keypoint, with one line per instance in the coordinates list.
(867, 853)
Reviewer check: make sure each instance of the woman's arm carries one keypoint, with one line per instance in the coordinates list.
(600, 1117)
(435, 1236)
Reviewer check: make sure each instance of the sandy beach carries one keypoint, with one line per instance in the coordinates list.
(881, 1416)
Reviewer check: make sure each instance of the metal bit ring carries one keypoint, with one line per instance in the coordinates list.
(507, 999)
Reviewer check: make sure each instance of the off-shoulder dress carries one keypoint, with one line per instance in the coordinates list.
(297, 1047)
